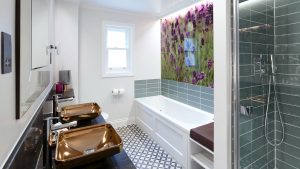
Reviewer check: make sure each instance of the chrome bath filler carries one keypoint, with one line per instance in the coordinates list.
(273, 77)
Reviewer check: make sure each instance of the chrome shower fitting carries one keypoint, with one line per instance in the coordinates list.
(273, 76)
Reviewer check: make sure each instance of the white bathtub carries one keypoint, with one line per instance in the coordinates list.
(169, 122)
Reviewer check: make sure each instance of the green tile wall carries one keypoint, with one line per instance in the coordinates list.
(287, 56)
(146, 88)
(197, 96)
(194, 95)
(256, 23)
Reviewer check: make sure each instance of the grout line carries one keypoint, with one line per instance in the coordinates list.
(286, 163)
(286, 5)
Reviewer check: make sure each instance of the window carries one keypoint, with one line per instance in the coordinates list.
(117, 49)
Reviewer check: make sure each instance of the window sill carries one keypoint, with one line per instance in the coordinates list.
(115, 75)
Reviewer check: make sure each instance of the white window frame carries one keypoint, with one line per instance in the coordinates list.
(117, 72)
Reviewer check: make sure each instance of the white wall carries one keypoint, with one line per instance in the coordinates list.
(223, 78)
(146, 59)
(66, 37)
(10, 128)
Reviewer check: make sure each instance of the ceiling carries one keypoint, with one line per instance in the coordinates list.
(152, 7)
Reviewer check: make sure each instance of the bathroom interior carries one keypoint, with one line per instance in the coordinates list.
(178, 84)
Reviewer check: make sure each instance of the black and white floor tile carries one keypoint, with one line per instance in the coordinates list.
(143, 151)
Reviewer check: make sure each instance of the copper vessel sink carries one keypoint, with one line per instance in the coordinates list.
(80, 112)
(84, 145)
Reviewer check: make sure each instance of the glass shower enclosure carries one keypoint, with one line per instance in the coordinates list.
(267, 76)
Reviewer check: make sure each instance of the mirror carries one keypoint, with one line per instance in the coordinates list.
(40, 34)
(32, 75)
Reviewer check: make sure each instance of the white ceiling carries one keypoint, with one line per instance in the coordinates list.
(153, 7)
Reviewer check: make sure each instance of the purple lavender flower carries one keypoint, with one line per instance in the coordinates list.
(194, 80)
(177, 22)
(210, 63)
(180, 49)
(194, 73)
(181, 37)
(188, 34)
(200, 75)
(202, 41)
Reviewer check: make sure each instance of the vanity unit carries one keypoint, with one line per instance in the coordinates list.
(201, 147)
(120, 160)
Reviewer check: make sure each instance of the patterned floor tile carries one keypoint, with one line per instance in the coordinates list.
(144, 152)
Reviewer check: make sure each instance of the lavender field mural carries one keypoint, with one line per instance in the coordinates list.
(187, 46)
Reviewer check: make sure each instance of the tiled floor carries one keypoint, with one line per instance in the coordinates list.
(143, 151)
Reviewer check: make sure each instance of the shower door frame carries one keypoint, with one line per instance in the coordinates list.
(235, 86)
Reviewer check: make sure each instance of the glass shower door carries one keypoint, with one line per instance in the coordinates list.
(256, 44)
(269, 84)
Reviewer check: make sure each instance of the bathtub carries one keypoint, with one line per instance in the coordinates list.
(168, 122)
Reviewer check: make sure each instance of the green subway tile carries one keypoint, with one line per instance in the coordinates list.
(280, 3)
(293, 120)
(244, 151)
(244, 13)
(290, 109)
(194, 93)
(258, 17)
(139, 95)
(245, 37)
(246, 70)
(171, 87)
(207, 90)
(194, 99)
(153, 81)
(140, 82)
(182, 85)
(258, 132)
(258, 142)
(172, 82)
(258, 121)
(245, 162)
(182, 95)
(194, 87)
(289, 99)
(182, 90)
(207, 103)
(151, 90)
(287, 19)
(153, 85)
(164, 81)
(245, 127)
(288, 9)
(245, 139)
(262, 161)
(245, 59)
(290, 149)
(292, 140)
(245, 47)
(244, 23)
(283, 165)
(140, 86)
(258, 153)
(207, 96)
(288, 159)
(287, 30)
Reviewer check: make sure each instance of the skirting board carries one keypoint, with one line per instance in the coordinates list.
(122, 122)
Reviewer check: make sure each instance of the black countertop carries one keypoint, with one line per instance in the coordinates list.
(118, 161)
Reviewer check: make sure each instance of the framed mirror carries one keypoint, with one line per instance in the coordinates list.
(33, 69)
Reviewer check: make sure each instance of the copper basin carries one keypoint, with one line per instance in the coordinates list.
(80, 112)
(84, 145)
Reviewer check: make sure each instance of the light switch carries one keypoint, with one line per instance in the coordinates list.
(6, 52)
